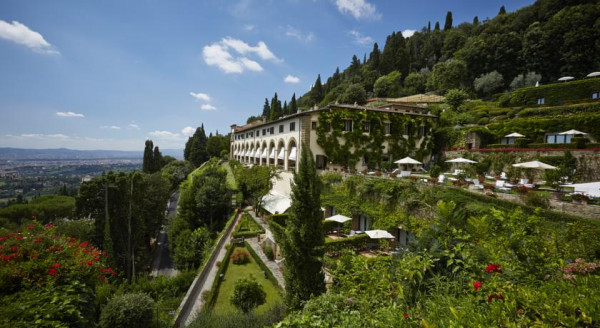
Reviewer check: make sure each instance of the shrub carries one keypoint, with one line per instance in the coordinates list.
(435, 171)
(240, 256)
(270, 253)
(456, 97)
(248, 294)
(580, 142)
(128, 310)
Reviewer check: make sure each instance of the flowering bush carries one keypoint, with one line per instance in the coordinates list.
(240, 256)
(36, 256)
(579, 267)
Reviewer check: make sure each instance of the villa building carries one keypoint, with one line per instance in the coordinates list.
(345, 136)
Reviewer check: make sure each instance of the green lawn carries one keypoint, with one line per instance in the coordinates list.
(230, 177)
(234, 272)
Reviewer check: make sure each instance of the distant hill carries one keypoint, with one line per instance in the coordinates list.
(67, 154)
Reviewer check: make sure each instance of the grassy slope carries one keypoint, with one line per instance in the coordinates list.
(230, 177)
(223, 305)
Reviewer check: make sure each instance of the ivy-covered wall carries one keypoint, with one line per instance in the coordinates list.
(556, 93)
(348, 148)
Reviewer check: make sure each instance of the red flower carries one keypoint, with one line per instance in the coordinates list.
(15, 248)
(55, 266)
(103, 270)
(477, 285)
(52, 272)
(19, 237)
(34, 256)
(38, 239)
(49, 226)
(110, 270)
(3, 238)
(101, 277)
(495, 296)
(405, 315)
(96, 259)
(493, 268)
(84, 244)
(90, 263)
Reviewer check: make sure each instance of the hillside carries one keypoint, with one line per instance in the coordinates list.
(64, 154)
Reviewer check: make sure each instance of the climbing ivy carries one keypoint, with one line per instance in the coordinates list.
(348, 147)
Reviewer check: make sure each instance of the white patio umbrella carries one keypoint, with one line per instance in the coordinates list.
(514, 135)
(573, 132)
(379, 234)
(407, 160)
(566, 78)
(535, 165)
(461, 160)
(338, 218)
(594, 74)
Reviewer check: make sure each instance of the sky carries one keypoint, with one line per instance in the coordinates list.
(110, 74)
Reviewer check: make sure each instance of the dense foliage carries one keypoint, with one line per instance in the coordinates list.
(128, 311)
(247, 294)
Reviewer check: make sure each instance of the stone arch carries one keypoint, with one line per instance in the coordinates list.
(271, 158)
(292, 154)
(280, 150)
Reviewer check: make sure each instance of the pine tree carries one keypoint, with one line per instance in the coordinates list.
(156, 160)
(303, 244)
(502, 11)
(437, 26)
(293, 105)
(195, 148)
(285, 110)
(429, 27)
(317, 91)
(147, 161)
(266, 110)
(475, 20)
(448, 23)
(374, 57)
(276, 110)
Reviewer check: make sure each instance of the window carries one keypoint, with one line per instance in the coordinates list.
(264, 132)
(596, 95)
(272, 130)
(252, 134)
(541, 101)
(347, 125)
(387, 128)
(313, 125)
(367, 126)
(422, 131)
(407, 130)
(281, 128)
(293, 126)
(257, 133)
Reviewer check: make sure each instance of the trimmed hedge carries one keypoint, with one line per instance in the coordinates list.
(248, 233)
(214, 290)
(561, 110)
(262, 265)
(556, 93)
(535, 127)
(355, 243)
(277, 225)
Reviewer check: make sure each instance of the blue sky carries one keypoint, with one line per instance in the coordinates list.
(110, 74)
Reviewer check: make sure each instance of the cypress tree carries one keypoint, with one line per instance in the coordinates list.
(317, 91)
(195, 148)
(266, 110)
(293, 105)
(429, 27)
(147, 161)
(475, 20)
(502, 11)
(285, 110)
(275, 108)
(437, 26)
(448, 23)
(303, 244)
(374, 57)
(156, 160)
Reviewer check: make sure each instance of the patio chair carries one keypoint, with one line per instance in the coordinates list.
(525, 183)
(503, 176)
(501, 185)
(477, 184)
(441, 178)
(405, 174)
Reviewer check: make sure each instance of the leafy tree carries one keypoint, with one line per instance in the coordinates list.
(255, 182)
(414, 83)
(374, 57)
(303, 244)
(189, 247)
(147, 164)
(212, 196)
(489, 83)
(354, 93)
(253, 118)
(456, 97)
(448, 75)
(248, 294)
(388, 85)
(525, 80)
(448, 23)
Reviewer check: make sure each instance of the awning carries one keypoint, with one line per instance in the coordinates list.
(407, 160)
(264, 153)
(535, 165)
(257, 154)
(272, 154)
(461, 160)
(235, 153)
(275, 202)
(292, 154)
(379, 234)
(573, 132)
(281, 154)
(591, 188)
(514, 135)
(338, 218)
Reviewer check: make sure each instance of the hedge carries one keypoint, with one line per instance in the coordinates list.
(355, 243)
(556, 93)
(249, 233)
(277, 225)
(535, 127)
(262, 265)
(214, 290)
(561, 110)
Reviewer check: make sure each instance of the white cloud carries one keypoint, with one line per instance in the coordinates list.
(111, 127)
(166, 135)
(188, 131)
(200, 96)
(69, 114)
(292, 32)
(357, 8)
(21, 34)
(208, 107)
(291, 79)
(134, 126)
(359, 38)
(249, 27)
(218, 54)
(45, 136)
(408, 33)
